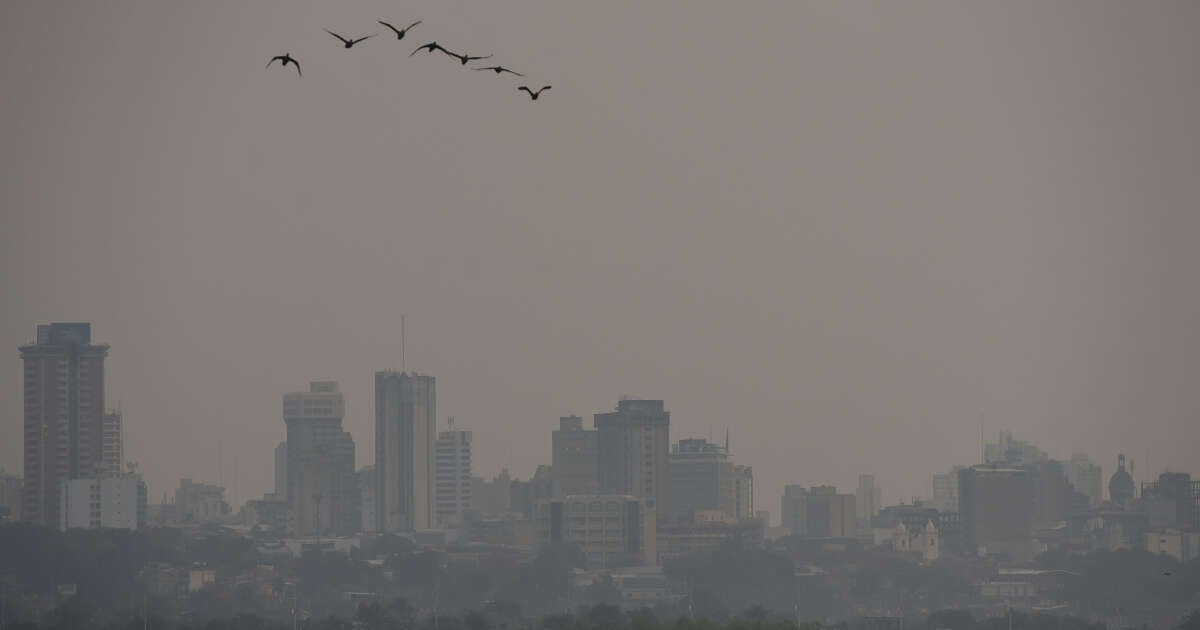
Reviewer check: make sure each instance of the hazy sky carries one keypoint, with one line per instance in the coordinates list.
(849, 232)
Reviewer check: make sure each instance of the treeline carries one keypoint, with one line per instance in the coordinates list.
(399, 615)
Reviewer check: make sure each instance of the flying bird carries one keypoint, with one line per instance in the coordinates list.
(430, 47)
(350, 42)
(499, 69)
(1166, 573)
(399, 31)
(286, 58)
(533, 95)
(464, 58)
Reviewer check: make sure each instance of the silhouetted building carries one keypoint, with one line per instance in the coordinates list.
(701, 479)
(997, 511)
(281, 456)
(1172, 501)
(868, 500)
(634, 452)
(612, 530)
(945, 491)
(523, 496)
(819, 512)
(453, 476)
(704, 531)
(322, 491)
(64, 409)
(114, 502)
(575, 464)
(405, 424)
(10, 497)
(1120, 485)
(367, 479)
(1087, 477)
(1054, 499)
(494, 497)
(743, 492)
(1012, 453)
(199, 502)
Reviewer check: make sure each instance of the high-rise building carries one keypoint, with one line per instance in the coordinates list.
(281, 455)
(452, 473)
(111, 443)
(574, 464)
(405, 427)
(367, 478)
(1087, 477)
(996, 508)
(866, 502)
(1007, 451)
(743, 492)
(818, 512)
(64, 408)
(612, 530)
(322, 490)
(1173, 501)
(704, 478)
(112, 501)
(945, 491)
(10, 497)
(634, 450)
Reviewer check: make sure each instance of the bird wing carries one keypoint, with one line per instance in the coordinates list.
(489, 68)
(452, 54)
(273, 60)
(355, 41)
(412, 25)
(344, 40)
(389, 26)
(544, 88)
(469, 58)
(430, 46)
(503, 69)
(297, 67)
(526, 89)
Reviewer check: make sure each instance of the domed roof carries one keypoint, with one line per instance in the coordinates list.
(1120, 485)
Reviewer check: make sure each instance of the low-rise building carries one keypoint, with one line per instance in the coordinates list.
(613, 530)
(1184, 546)
(707, 530)
(117, 502)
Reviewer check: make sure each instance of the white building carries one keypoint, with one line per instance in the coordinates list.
(117, 502)
(452, 474)
(924, 541)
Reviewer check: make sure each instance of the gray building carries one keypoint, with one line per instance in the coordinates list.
(112, 447)
(743, 492)
(1087, 477)
(575, 460)
(702, 478)
(322, 490)
(405, 428)
(996, 508)
(64, 410)
(818, 512)
(281, 455)
(10, 497)
(611, 530)
(634, 449)
(452, 470)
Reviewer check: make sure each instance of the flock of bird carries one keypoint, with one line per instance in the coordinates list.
(463, 59)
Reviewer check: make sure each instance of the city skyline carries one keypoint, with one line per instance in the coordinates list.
(849, 233)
